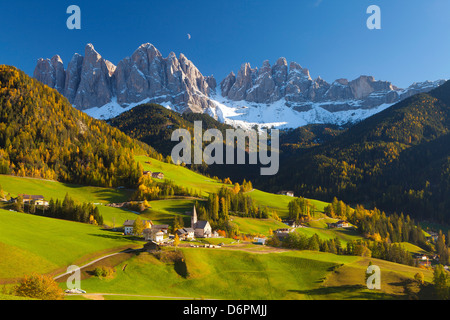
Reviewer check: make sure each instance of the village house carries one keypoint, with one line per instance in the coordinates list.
(41, 203)
(147, 233)
(282, 233)
(202, 229)
(292, 224)
(147, 173)
(432, 236)
(261, 241)
(287, 193)
(158, 175)
(151, 246)
(128, 226)
(28, 199)
(342, 224)
(283, 230)
(339, 224)
(164, 228)
(186, 234)
(154, 235)
(158, 237)
(423, 260)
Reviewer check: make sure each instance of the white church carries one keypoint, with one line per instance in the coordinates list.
(202, 229)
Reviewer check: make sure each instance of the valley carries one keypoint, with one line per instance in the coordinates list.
(100, 197)
(237, 270)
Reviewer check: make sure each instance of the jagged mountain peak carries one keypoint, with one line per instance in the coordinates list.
(91, 81)
(56, 59)
(282, 93)
(295, 85)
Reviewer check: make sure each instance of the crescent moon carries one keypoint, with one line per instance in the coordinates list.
(189, 36)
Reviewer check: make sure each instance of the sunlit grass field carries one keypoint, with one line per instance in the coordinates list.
(30, 243)
(57, 190)
(221, 274)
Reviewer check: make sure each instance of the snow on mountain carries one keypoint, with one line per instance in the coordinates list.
(113, 109)
(279, 96)
(278, 115)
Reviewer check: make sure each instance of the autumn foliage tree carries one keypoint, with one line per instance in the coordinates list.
(43, 136)
(39, 287)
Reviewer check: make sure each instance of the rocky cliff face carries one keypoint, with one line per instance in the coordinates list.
(96, 81)
(91, 81)
(51, 72)
(283, 94)
(300, 91)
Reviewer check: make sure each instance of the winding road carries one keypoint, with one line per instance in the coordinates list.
(94, 261)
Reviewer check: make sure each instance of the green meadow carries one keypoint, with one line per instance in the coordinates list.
(33, 243)
(163, 211)
(257, 226)
(204, 185)
(280, 202)
(220, 274)
(235, 274)
(344, 235)
(57, 190)
(412, 248)
(181, 175)
(39, 244)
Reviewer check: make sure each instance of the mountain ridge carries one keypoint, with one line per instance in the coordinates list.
(397, 160)
(91, 81)
(275, 95)
(43, 136)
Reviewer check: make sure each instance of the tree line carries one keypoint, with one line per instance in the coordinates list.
(383, 230)
(232, 201)
(150, 189)
(43, 136)
(68, 209)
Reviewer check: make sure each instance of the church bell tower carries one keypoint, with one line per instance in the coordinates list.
(194, 218)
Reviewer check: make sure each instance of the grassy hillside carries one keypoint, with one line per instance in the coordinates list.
(260, 226)
(348, 282)
(219, 274)
(38, 244)
(57, 190)
(195, 181)
(181, 175)
(344, 235)
(43, 136)
(163, 211)
(235, 274)
(397, 160)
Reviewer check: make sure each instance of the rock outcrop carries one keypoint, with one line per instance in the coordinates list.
(51, 72)
(96, 85)
(73, 77)
(295, 85)
(91, 81)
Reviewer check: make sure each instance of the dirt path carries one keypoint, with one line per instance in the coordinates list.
(94, 261)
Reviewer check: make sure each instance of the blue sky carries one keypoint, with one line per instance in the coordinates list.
(329, 37)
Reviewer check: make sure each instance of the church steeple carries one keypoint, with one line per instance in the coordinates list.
(194, 218)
